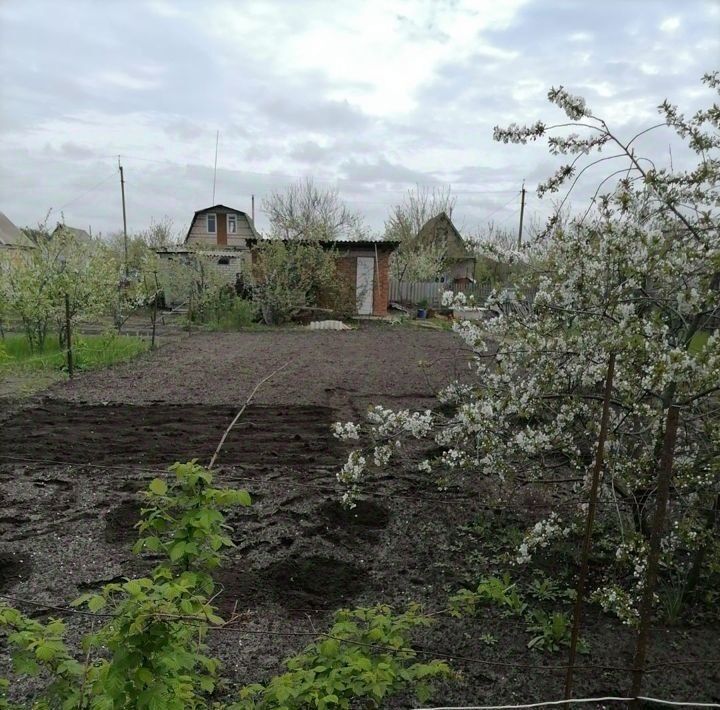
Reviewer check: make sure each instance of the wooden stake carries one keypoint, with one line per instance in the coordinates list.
(522, 213)
(71, 370)
(590, 520)
(155, 308)
(661, 500)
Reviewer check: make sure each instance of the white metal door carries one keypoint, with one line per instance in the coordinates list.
(364, 285)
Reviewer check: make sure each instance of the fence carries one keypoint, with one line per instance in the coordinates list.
(431, 291)
(414, 292)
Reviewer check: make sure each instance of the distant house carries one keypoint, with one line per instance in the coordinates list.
(459, 259)
(80, 235)
(12, 238)
(219, 236)
(222, 227)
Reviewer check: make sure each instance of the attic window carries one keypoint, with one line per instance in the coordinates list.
(211, 224)
(232, 224)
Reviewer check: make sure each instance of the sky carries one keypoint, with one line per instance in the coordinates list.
(371, 98)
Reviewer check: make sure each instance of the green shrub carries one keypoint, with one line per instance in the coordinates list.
(150, 654)
(365, 654)
(240, 313)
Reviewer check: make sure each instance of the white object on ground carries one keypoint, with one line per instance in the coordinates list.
(328, 325)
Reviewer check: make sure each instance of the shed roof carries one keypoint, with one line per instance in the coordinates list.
(441, 223)
(357, 243)
(80, 235)
(10, 235)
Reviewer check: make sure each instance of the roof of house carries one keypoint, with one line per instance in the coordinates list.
(10, 235)
(80, 235)
(357, 243)
(456, 247)
(222, 208)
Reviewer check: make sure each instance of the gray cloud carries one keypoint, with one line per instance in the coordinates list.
(383, 171)
(154, 81)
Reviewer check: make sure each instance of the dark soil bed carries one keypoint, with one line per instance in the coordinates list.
(73, 465)
(67, 432)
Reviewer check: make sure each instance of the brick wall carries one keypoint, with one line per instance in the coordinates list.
(347, 272)
(381, 290)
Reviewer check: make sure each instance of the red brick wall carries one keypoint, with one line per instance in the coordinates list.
(381, 291)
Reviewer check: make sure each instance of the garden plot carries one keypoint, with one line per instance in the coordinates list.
(73, 465)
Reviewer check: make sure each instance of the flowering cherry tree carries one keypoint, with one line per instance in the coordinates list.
(634, 278)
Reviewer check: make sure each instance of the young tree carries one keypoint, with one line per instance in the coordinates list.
(305, 211)
(160, 233)
(635, 277)
(414, 260)
(290, 276)
(38, 280)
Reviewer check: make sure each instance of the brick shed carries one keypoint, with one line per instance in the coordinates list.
(364, 266)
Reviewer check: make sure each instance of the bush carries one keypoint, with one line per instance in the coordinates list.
(365, 655)
(290, 276)
(239, 313)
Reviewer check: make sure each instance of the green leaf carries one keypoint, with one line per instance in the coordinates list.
(144, 675)
(177, 551)
(158, 487)
(45, 652)
(207, 684)
(96, 603)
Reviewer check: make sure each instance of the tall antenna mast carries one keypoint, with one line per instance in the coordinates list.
(217, 140)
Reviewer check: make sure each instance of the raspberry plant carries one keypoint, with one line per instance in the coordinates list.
(365, 654)
(151, 652)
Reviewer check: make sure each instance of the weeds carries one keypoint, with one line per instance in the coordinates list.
(89, 352)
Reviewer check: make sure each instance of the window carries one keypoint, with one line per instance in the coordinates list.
(211, 224)
(224, 260)
(232, 223)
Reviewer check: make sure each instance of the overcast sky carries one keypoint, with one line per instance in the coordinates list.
(371, 97)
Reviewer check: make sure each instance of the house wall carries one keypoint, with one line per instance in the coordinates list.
(238, 263)
(199, 235)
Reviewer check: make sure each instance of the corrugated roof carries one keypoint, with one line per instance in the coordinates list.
(331, 242)
(80, 234)
(10, 235)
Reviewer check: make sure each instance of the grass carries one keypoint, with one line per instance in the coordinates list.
(89, 352)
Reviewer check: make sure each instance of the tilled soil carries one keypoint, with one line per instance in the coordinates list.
(73, 464)
(55, 431)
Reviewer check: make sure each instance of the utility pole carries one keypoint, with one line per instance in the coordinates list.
(122, 190)
(522, 212)
(252, 209)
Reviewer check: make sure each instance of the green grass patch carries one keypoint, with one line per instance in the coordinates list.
(89, 352)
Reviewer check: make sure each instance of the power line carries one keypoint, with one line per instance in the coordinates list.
(502, 207)
(87, 192)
